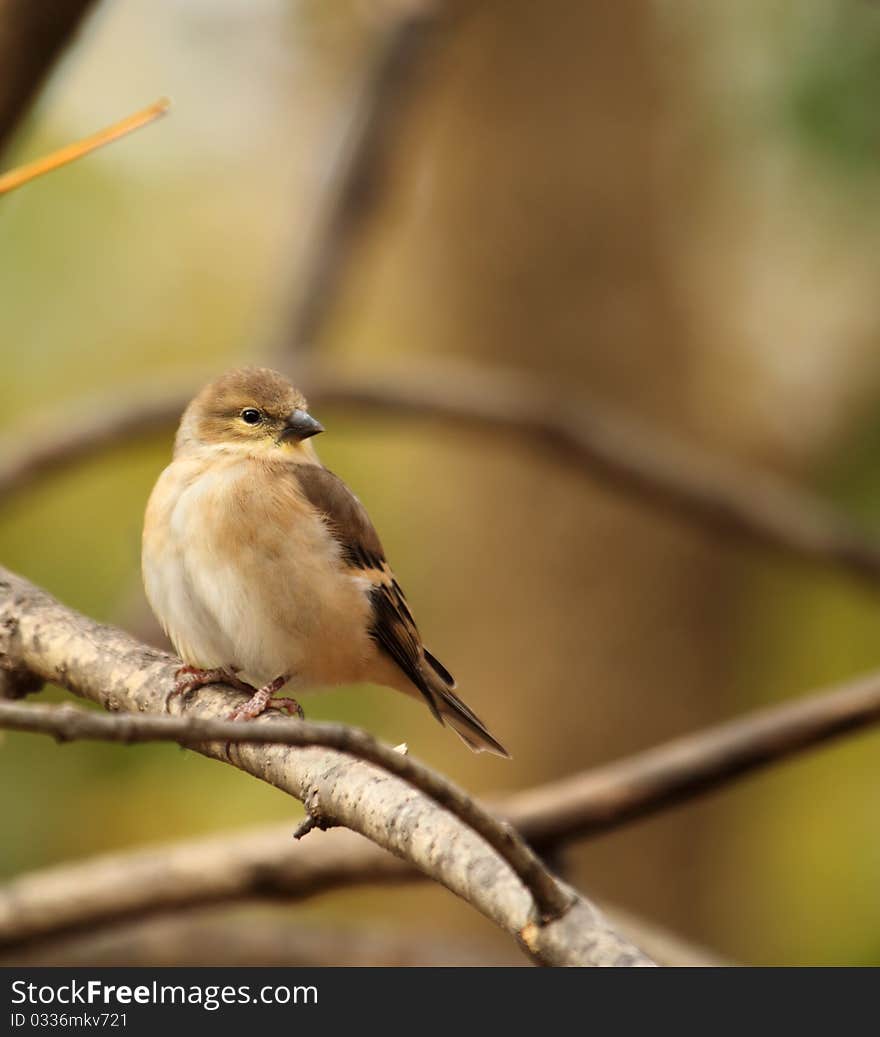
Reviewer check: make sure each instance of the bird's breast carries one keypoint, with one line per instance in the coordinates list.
(243, 572)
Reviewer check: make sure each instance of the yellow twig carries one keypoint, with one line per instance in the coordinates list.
(17, 177)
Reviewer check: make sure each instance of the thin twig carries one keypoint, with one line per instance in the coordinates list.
(705, 491)
(21, 175)
(109, 667)
(67, 723)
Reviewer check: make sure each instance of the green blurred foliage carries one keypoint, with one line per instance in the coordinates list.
(830, 87)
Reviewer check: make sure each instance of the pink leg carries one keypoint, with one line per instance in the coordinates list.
(191, 677)
(260, 699)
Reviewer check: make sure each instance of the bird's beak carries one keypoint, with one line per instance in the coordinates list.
(301, 425)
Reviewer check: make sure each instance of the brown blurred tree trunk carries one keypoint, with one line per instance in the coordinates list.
(32, 37)
(529, 235)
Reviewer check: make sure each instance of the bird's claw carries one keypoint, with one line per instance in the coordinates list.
(291, 707)
(261, 699)
(254, 706)
(188, 678)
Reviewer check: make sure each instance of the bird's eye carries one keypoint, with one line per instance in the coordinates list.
(251, 416)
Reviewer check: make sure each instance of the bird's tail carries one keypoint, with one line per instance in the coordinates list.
(450, 710)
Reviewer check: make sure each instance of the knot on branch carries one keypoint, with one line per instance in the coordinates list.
(315, 818)
(16, 681)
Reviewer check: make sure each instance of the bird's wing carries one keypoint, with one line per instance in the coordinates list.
(393, 627)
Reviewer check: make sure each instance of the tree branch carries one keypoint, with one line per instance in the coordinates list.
(361, 169)
(608, 797)
(113, 669)
(266, 862)
(67, 723)
(586, 804)
(41, 910)
(661, 945)
(248, 938)
(32, 37)
(254, 864)
(647, 465)
(85, 432)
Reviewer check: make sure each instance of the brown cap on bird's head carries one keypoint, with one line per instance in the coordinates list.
(250, 408)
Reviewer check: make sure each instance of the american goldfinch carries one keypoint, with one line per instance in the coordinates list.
(264, 568)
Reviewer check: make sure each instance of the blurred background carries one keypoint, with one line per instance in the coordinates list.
(672, 205)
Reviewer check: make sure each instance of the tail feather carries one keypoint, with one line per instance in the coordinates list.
(472, 731)
(452, 712)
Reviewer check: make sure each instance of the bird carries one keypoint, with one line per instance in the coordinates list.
(265, 570)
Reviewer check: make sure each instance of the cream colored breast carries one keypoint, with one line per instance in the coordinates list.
(243, 572)
(170, 528)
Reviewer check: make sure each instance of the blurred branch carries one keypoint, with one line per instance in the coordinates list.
(258, 863)
(107, 666)
(654, 468)
(266, 863)
(600, 800)
(67, 723)
(362, 167)
(246, 937)
(32, 37)
(39, 911)
(82, 434)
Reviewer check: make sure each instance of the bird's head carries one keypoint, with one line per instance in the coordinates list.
(252, 409)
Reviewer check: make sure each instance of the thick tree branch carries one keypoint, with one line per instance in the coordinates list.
(704, 491)
(661, 945)
(111, 668)
(32, 37)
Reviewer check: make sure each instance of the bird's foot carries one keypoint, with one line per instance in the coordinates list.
(291, 707)
(188, 678)
(261, 698)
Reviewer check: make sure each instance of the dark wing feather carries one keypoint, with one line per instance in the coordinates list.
(440, 669)
(345, 515)
(393, 628)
